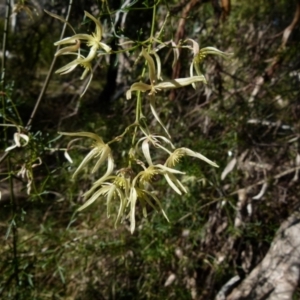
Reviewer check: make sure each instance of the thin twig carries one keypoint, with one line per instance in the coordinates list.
(286, 172)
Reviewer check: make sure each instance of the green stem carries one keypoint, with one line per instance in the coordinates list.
(46, 83)
(138, 111)
(13, 202)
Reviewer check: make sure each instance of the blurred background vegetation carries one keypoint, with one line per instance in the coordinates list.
(246, 119)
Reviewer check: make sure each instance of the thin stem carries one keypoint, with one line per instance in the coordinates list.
(152, 24)
(138, 109)
(11, 186)
(163, 25)
(46, 83)
(4, 43)
(138, 112)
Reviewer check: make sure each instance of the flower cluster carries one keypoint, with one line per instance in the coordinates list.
(135, 183)
(127, 186)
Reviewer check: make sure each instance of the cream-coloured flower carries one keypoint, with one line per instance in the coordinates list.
(144, 197)
(156, 86)
(180, 152)
(174, 159)
(122, 181)
(138, 190)
(200, 54)
(154, 76)
(110, 191)
(92, 40)
(79, 61)
(100, 150)
(153, 140)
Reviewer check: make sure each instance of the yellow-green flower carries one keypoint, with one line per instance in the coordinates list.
(174, 159)
(79, 61)
(180, 152)
(92, 40)
(144, 197)
(154, 76)
(111, 191)
(156, 86)
(100, 150)
(200, 54)
(153, 140)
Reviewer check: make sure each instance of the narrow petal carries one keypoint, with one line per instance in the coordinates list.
(10, 148)
(151, 66)
(110, 195)
(68, 49)
(92, 54)
(152, 106)
(17, 138)
(98, 25)
(87, 85)
(165, 140)
(138, 86)
(158, 203)
(180, 82)
(215, 51)
(176, 53)
(87, 69)
(192, 74)
(90, 155)
(158, 64)
(91, 135)
(132, 199)
(99, 193)
(146, 152)
(122, 206)
(195, 47)
(72, 39)
(68, 157)
(197, 68)
(198, 155)
(104, 152)
(172, 184)
(97, 184)
(68, 68)
(168, 170)
(110, 168)
(105, 47)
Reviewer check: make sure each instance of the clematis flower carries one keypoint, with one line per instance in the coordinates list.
(92, 40)
(111, 191)
(139, 192)
(199, 56)
(174, 159)
(156, 86)
(79, 61)
(154, 75)
(144, 197)
(153, 140)
(180, 152)
(100, 150)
